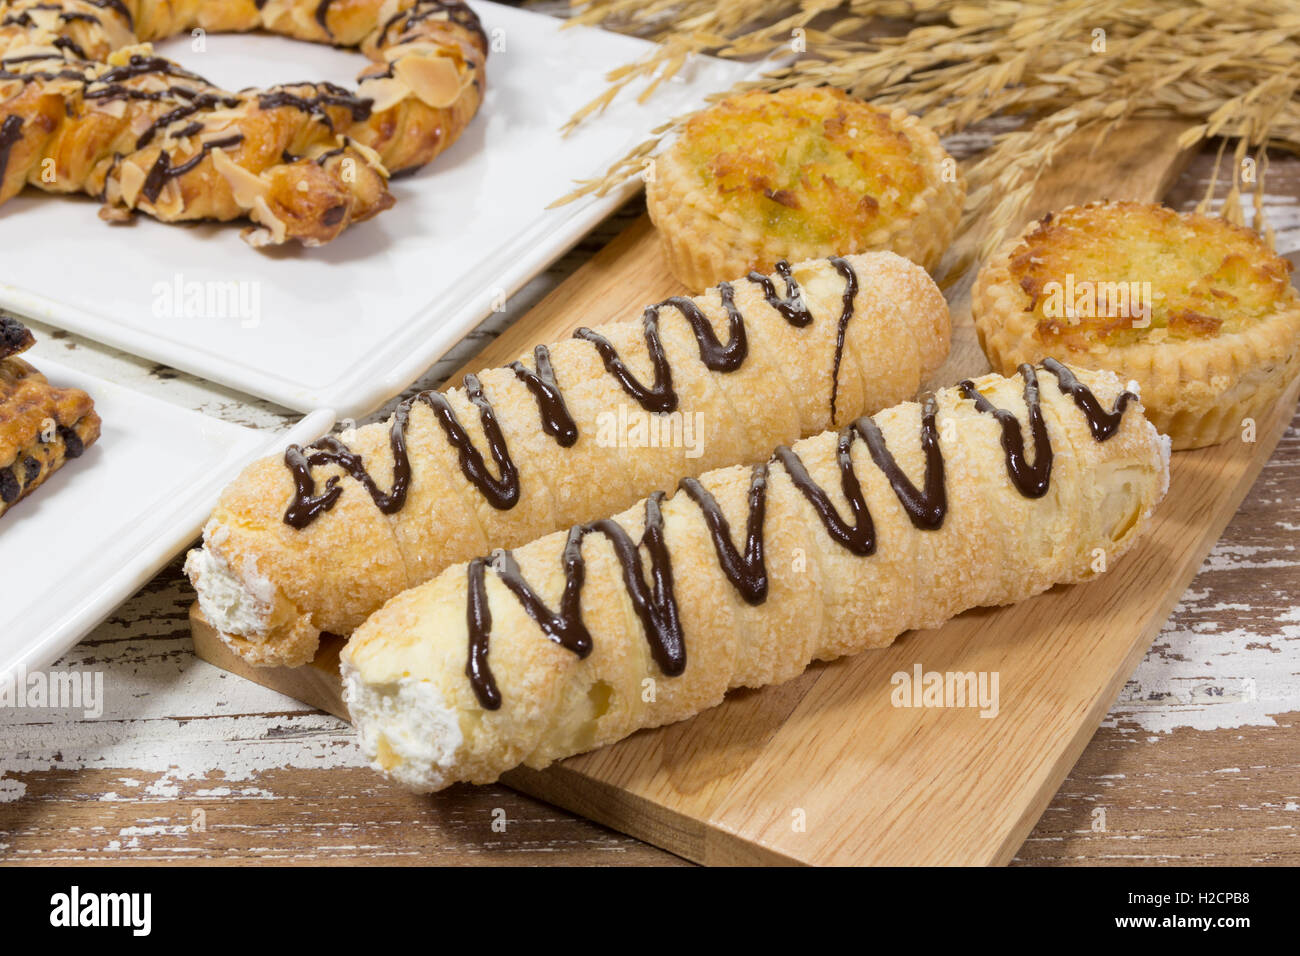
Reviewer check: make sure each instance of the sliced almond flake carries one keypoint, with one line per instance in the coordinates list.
(262, 215)
(256, 236)
(114, 30)
(369, 155)
(113, 212)
(64, 88)
(217, 117)
(385, 93)
(112, 191)
(45, 19)
(171, 201)
(131, 180)
(421, 47)
(435, 80)
(114, 108)
(30, 48)
(246, 186)
(303, 17)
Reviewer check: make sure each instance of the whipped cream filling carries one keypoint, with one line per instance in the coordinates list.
(234, 604)
(405, 729)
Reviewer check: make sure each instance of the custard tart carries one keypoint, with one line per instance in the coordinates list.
(1200, 313)
(800, 174)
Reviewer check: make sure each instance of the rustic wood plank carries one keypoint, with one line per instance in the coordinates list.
(300, 817)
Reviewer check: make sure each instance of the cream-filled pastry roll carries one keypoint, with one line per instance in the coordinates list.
(318, 538)
(985, 494)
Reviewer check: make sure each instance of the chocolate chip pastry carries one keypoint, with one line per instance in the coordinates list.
(41, 427)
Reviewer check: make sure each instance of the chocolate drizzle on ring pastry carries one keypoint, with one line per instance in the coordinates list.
(163, 171)
(660, 397)
(10, 133)
(322, 11)
(655, 603)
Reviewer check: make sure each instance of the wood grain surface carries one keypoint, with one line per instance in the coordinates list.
(1195, 763)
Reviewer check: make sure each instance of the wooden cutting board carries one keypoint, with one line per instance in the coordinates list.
(824, 769)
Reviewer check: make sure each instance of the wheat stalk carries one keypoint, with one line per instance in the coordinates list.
(1229, 68)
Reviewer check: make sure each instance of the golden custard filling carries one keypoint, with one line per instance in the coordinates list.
(809, 165)
(1118, 274)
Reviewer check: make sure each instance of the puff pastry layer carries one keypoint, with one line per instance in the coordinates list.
(989, 493)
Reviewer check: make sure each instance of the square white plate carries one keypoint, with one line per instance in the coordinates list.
(349, 325)
(106, 523)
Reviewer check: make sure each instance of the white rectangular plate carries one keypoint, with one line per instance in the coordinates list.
(106, 523)
(349, 325)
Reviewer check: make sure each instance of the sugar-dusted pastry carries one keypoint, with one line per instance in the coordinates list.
(985, 494)
(318, 538)
(1199, 312)
(86, 106)
(796, 174)
(41, 427)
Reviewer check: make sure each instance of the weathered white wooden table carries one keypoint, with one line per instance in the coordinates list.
(1199, 761)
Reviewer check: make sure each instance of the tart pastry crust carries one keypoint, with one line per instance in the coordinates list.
(506, 662)
(317, 539)
(800, 173)
(86, 106)
(41, 427)
(1216, 342)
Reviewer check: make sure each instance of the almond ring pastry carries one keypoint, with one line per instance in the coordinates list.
(796, 174)
(1197, 311)
(85, 106)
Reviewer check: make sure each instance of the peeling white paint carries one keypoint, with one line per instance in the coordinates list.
(1212, 678)
(228, 726)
